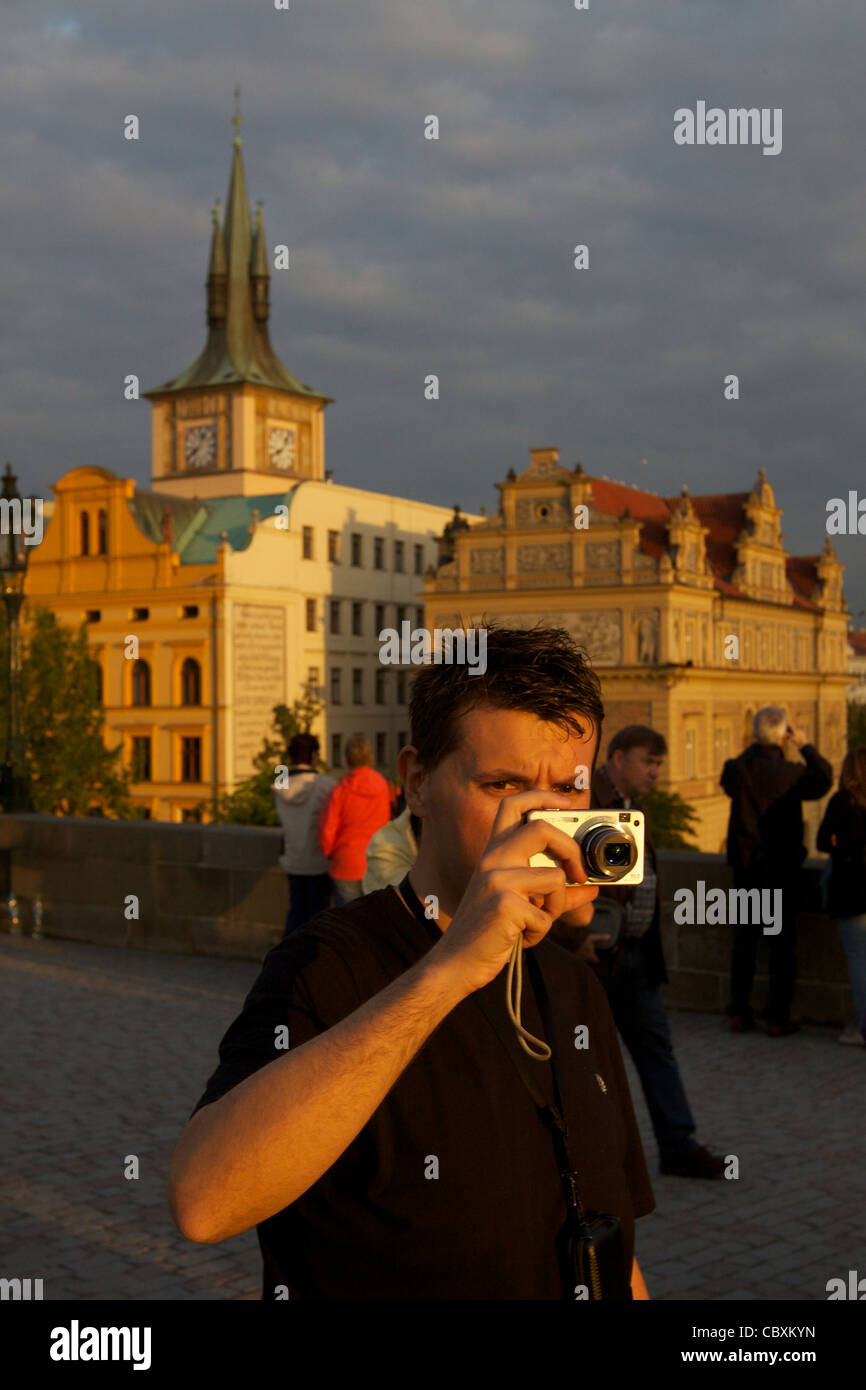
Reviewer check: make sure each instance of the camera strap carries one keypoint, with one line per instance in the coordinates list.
(551, 1116)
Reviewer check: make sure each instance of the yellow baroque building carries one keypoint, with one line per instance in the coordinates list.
(245, 573)
(691, 610)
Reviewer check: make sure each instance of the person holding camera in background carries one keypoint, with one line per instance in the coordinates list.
(768, 784)
(624, 944)
(393, 1149)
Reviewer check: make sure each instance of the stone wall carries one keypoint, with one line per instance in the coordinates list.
(217, 891)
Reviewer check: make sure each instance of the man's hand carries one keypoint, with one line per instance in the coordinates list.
(586, 949)
(797, 736)
(506, 899)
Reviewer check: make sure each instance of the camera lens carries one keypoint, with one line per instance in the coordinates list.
(616, 855)
(610, 851)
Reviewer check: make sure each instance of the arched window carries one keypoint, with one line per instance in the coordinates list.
(84, 522)
(102, 532)
(190, 682)
(141, 683)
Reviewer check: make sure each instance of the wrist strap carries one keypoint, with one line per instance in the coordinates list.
(551, 1116)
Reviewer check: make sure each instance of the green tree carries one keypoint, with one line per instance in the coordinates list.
(252, 801)
(670, 819)
(70, 769)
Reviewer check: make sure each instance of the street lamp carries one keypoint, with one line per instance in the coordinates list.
(14, 791)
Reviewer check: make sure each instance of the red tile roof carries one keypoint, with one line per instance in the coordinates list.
(724, 515)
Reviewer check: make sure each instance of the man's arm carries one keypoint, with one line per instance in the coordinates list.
(328, 822)
(817, 776)
(251, 1153)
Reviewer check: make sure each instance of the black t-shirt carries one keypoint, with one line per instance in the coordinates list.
(451, 1190)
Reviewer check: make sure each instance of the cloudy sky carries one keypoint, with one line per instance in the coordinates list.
(453, 256)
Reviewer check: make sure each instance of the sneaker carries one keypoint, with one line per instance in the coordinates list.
(782, 1030)
(694, 1163)
(851, 1036)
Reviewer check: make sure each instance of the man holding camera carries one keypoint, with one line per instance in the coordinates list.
(625, 945)
(392, 1150)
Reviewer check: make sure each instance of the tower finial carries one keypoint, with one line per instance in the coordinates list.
(236, 118)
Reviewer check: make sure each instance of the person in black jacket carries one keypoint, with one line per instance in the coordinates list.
(632, 968)
(843, 836)
(768, 784)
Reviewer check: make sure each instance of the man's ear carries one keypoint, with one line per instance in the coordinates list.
(412, 776)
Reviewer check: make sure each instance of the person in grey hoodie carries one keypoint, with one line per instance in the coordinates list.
(299, 806)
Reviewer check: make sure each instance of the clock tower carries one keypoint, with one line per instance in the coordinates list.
(236, 423)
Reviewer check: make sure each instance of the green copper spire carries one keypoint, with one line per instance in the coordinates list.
(238, 347)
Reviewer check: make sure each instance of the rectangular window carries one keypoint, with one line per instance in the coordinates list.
(140, 615)
(419, 617)
(419, 559)
(335, 616)
(380, 618)
(141, 759)
(190, 760)
(313, 677)
(336, 750)
(93, 615)
(380, 687)
(190, 610)
(402, 610)
(357, 686)
(336, 687)
(356, 549)
(401, 687)
(380, 749)
(689, 753)
(378, 552)
(402, 739)
(689, 642)
(307, 542)
(357, 629)
(311, 615)
(399, 551)
(333, 547)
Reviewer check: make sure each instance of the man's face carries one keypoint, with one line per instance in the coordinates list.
(501, 752)
(636, 771)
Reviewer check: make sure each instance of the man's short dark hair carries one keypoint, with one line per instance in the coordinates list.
(638, 736)
(541, 670)
(304, 748)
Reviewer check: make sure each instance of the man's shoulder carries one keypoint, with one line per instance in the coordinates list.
(352, 924)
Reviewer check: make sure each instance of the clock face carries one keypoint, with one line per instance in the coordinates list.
(281, 448)
(199, 446)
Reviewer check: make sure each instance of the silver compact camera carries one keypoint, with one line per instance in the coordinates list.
(611, 842)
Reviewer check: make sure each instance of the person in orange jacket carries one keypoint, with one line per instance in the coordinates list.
(358, 806)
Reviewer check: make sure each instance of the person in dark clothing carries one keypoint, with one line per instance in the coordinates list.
(632, 968)
(842, 835)
(368, 1114)
(768, 784)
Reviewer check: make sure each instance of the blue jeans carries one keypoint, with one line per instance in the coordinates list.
(639, 1013)
(853, 933)
(346, 890)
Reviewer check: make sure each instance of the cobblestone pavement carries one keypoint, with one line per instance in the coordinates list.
(105, 1052)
